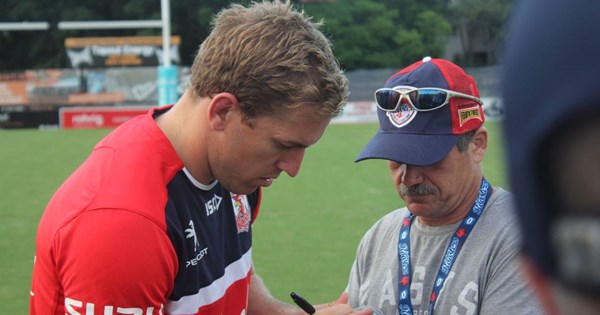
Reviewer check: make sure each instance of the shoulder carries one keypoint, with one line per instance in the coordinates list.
(499, 222)
(391, 220)
(502, 195)
(118, 237)
(500, 207)
(385, 227)
(113, 249)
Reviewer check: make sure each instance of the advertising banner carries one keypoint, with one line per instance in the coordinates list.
(52, 86)
(133, 51)
(13, 92)
(357, 112)
(29, 119)
(78, 87)
(13, 88)
(97, 117)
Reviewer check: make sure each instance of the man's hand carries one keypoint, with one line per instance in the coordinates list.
(340, 307)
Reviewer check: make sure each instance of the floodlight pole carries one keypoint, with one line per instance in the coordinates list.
(167, 74)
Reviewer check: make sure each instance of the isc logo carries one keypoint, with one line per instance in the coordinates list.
(212, 205)
(74, 307)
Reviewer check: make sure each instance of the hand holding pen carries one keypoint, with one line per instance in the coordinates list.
(303, 304)
(339, 307)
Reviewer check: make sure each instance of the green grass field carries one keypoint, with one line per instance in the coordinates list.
(305, 236)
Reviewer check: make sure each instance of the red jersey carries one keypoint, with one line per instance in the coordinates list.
(131, 232)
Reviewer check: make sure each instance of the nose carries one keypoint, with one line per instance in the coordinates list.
(291, 160)
(407, 174)
(412, 175)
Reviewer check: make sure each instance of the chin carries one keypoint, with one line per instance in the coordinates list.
(419, 209)
(417, 204)
(236, 188)
(243, 190)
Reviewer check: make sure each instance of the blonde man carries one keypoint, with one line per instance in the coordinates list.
(158, 219)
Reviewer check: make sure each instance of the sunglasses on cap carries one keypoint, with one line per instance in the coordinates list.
(420, 99)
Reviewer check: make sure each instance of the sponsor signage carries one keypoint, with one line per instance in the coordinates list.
(78, 87)
(357, 112)
(97, 117)
(102, 52)
(95, 98)
(29, 119)
(13, 88)
(51, 86)
(13, 92)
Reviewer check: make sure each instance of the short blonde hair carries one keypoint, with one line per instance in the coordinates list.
(270, 57)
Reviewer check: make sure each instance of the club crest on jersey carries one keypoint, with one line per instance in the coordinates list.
(401, 118)
(241, 209)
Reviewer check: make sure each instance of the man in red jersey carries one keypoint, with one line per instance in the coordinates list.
(158, 219)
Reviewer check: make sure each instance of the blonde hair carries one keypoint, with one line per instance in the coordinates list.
(270, 57)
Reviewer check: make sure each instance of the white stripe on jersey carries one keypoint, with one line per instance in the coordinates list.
(191, 303)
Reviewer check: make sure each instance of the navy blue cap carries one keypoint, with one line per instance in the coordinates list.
(425, 138)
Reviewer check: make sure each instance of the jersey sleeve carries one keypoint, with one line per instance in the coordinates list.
(115, 259)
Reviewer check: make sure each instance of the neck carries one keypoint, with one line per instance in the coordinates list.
(456, 216)
(181, 126)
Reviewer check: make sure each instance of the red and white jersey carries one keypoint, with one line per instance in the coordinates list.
(131, 232)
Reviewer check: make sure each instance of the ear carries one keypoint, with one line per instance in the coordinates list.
(479, 144)
(220, 109)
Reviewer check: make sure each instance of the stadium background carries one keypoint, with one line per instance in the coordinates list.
(105, 97)
(308, 228)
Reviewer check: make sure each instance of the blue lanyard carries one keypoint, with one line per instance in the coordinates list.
(456, 243)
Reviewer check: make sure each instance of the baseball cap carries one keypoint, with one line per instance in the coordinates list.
(425, 138)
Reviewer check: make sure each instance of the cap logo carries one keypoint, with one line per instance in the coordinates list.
(401, 118)
(469, 113)
(405, 114)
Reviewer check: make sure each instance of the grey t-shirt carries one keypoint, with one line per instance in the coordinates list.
(486, 277)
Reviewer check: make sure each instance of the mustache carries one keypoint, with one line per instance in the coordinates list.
(416, 190)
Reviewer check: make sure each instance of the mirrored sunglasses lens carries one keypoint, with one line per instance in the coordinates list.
(387, 99)
(428, 99)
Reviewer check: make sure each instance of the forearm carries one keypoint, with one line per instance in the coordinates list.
(261, 302)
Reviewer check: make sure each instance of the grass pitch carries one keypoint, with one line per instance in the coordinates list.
(306, 233)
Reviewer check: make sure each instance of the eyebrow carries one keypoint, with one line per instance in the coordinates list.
(291, 143)
(294, 144)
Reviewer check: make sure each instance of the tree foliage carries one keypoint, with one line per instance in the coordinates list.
(190, 19)
(377, 34)
(365, 33)
(480, 21)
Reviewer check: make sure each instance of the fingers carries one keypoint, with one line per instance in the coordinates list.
(343, 299)
(366, 311)
(343, 309)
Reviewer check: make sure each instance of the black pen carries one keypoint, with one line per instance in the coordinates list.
(304, 305)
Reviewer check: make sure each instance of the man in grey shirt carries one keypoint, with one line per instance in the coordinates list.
(454, 248)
